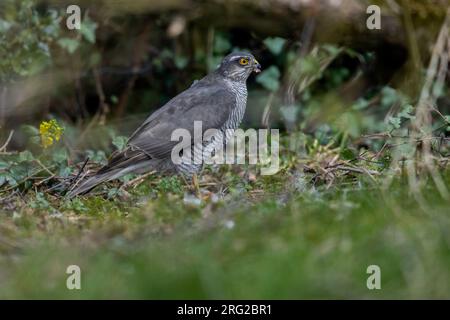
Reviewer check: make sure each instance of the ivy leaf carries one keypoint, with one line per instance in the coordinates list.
(11, 181)
(4, 165)
(311, 66)
(275, 44)
(2, 178)
(30, 130)
(120, 142)
(360, 104)
(40, 202)
(71, 45)
(60, 155)
(214, 62)
(221, 44)
(348, 154)
(25, 156)
(97, 156)
(395, 122)
(438, 89)
(389, 96)
(447, 119)
(348, 122)
(270, 79)
(332, 50)
(407, 112)
(114, 99)
(35, 140)
(4, 25)
(289, 113)
(181, 62)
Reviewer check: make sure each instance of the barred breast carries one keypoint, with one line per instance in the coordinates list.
(223, 136)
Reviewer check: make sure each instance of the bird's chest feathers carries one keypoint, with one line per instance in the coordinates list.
(239, 89)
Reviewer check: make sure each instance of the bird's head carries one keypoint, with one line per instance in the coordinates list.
(238, 66)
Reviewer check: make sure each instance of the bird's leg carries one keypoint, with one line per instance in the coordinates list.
(195, 185)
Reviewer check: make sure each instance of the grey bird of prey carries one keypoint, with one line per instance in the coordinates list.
(218, 101)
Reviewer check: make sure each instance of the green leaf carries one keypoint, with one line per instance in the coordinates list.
(407, 112)
(166, 54)
(2, 178)
(348, 122)
(213, 62)
(332, 50)
(270, 79)
(30, 130)
(114, 99)
(290, 113)
(275, 44)
(4, 25)
(438, 89)
(97, 156)
(4, 165)
(25, 156)
(71, 45)
(64, 171)
(40, 202)
(310, 66)
(360, 104)
(120, 142)
(36, 140)
(389, 96)
(87, 29)
(348, 154)
(76, 205)
(181, 62)
(447, 119)
(11, 181)
(60, 155)
(395, 122)
(221, 44)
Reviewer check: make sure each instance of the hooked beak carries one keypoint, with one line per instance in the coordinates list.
(256, 67)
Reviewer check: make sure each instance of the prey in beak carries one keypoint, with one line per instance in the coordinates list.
(256, 66)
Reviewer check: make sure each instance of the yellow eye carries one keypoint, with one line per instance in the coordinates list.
(243, 61)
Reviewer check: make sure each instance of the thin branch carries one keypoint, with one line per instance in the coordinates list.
(3, 147)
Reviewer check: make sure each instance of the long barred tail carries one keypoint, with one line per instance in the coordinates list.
(108, 173)
(90, 183)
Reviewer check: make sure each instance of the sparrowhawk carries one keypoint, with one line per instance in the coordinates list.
(218, 101)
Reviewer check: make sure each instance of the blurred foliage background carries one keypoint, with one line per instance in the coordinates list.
(325, 72)
(327, 76)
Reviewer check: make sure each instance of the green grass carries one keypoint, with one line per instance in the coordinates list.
(313, 244)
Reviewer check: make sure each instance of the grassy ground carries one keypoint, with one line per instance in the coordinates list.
(350, 117)
(273, 237)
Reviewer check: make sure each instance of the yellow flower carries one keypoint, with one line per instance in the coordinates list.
(50, 131)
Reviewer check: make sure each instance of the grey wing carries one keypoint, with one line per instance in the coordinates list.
(212, 105)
